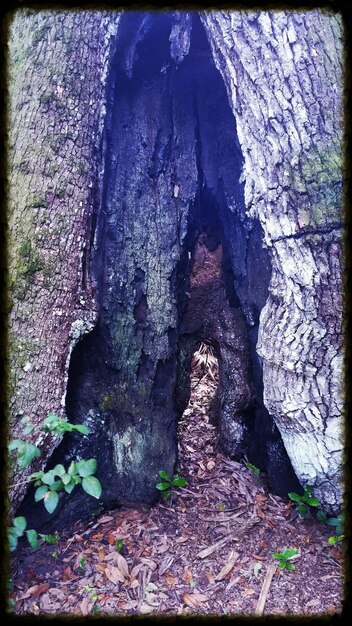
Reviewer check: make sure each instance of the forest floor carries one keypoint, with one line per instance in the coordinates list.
(205, 551)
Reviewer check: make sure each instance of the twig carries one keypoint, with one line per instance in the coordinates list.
(265, 589)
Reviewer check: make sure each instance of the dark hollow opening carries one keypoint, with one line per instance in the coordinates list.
(175, 261)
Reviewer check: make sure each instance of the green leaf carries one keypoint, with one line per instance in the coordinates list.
(282, 564)
(332, 540)
(87, 468)
(58, 485)
(277, 555)
(167, 494)
(70, 487)
(59, 470)
(40, 493)
(178, 481)
(332, 521)
(32, 537)
(308, 490)
(165, 476)
(48, 478)
(290, 566)
(51, 501)
(313, 502)
(295, 496)
(36, 475)
(66, 479)
(321, 516)
(81, 428)
(92, 486)
(72, 469)
(302, 509)
(288, 553)
(12, 538)
(163, 486)
(19, 523)
(26, 452)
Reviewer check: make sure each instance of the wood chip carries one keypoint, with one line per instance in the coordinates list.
(265, 589)
(228, 566)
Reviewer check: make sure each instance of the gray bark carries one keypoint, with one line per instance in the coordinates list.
(57, 69)
(116, 170)
(283, 73)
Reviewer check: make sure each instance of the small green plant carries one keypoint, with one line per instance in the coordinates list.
(254, 469)
(49, 483)
(221, 506)
(339, 523)
(168, 483)
(81, 564)
(284, 558)
(17, 530)
(119, 545)
(51, 539)
(304, 501)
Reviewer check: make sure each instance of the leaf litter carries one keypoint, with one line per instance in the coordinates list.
(206, 551)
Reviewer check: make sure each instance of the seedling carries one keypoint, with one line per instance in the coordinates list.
(305, 501)
(254, 469)
(119, 545)
(338, 522)
(81, 564)
(168, 483)
(284, 558)
(221, 506)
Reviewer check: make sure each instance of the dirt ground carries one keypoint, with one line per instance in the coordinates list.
(205, 551)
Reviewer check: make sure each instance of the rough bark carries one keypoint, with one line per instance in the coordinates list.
(167, 164)
(283, 72)
(57, 69)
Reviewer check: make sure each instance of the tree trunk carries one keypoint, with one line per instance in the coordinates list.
(283, 73)
(58, 62)
(128, 165)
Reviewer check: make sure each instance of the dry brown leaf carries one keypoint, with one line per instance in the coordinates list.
(97, 536)
(101, 554)
(181, 539)
(150, 563)
(86, 605)
(100, 567)
(210, 576)
(187, 576)
(145, 608)
(194, 600)
(122, 565)
(135, 570)
(114, 574)
(248, 592)
(34, 591)
(170, 579)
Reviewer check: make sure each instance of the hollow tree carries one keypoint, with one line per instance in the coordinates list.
(137, 143)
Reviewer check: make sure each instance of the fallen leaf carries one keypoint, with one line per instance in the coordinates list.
(170, 579)
(114, 574)
(210, 577)
(150, 563)
(187, 576)
(100, 567)
(34, 591)
(248, 592)
(194, 600)
(86, 605)
(101, 554)
(145, 608)
(97, 536)
(181, 539)
(122, 564)
(210, 465)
